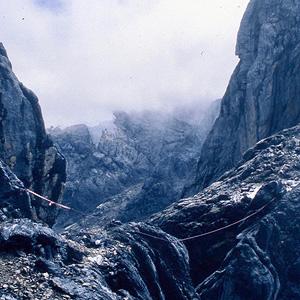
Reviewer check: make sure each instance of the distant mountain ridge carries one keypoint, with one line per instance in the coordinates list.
(142, 157)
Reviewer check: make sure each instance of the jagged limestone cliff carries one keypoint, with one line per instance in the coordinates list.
(263, 95)
(137, 168)
(258, 258)
(24, 144)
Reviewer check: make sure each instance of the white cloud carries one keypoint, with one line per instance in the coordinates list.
(85, 58)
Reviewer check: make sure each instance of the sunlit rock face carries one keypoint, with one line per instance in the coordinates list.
(24, 145)
(135, 168)
(263, 95)
(257, 258)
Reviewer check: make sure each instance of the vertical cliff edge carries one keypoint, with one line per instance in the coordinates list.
(25, 146)
(263, 95)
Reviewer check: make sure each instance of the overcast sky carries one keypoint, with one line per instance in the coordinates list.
(87, 58)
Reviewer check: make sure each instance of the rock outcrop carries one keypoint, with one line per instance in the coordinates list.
(248, 220)
(112, 263)
(258, 258)
(24, 145)
(15, 202)
(116, 262)
(135, 169)
(263, 95)
(168, 177)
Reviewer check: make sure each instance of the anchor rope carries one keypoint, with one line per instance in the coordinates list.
(150, 235)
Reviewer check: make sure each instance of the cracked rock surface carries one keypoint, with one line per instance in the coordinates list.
(263, 95)
(259, 258)
(24, 144)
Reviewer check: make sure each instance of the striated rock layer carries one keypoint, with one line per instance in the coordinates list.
(24, 145)
(256, 259)
(263, 95)
(259, 258)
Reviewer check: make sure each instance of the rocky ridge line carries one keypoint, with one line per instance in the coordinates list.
(24, 144)
(262, 97)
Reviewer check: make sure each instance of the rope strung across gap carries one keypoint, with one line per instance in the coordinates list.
(212, 231)
(64, 206)
(156, 237)
(54, 203)
(227, 226)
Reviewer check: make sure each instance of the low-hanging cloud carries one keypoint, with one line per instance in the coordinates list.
(85, 59)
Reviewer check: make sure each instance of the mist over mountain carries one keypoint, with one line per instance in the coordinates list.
(263, 93)
(137, 166)
(237, 238)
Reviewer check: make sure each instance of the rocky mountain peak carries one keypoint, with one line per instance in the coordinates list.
(239, 238)
(24, 144)
(263, 96)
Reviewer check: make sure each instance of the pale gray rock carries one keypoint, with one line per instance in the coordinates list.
(263, 94)
(137, 168)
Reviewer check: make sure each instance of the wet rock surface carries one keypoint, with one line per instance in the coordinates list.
(116, 262)
(258, 258)
(15, 202)
(139, 266)
(24, 145)
(262, 97)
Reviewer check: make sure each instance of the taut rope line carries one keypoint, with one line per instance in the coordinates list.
(54, 203)
(156, 237)
(228, 226)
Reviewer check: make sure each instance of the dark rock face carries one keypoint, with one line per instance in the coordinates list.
(136, 169)
(24, 145)
(116, 262)
(258, 259)
(141, 267)
(112, 263)
(15, 202)
(255, 259)
(263, 94)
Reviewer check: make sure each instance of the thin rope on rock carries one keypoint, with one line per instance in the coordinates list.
(156, 237)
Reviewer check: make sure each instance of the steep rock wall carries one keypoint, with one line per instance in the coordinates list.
(263, 95)
(259, 257)
(24, 145)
